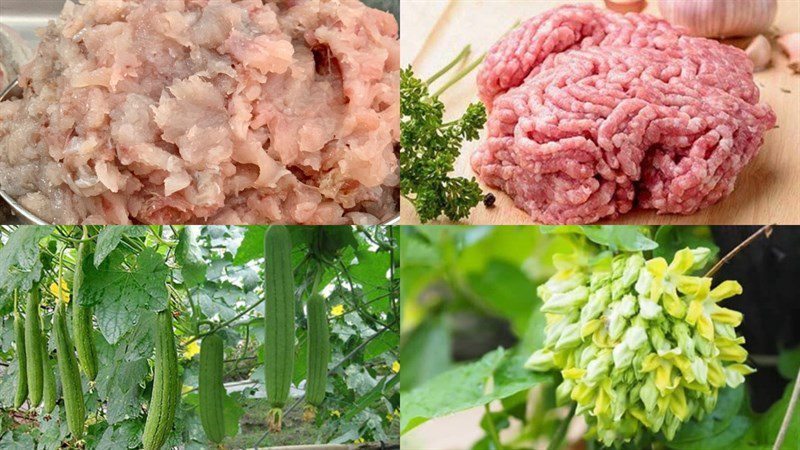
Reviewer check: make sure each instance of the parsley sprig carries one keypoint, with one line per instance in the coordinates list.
(430, 146)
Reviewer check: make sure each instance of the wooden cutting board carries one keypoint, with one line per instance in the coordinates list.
(767, 190)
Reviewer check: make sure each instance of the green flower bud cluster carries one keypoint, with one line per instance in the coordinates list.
(641, 344)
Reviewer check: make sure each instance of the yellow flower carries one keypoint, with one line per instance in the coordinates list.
(604, 398)
(666, 280)
(337, 310)
(359, 441)
(703, 309)
(716, 374)
(191, 349)
(734, 374)
(731, 350)
(682, 263)
(662, 364)
(60, 292)
(677, 404)
(590, 327)
(396, 366)
(656, 268)
(573, 373)
(336, 413)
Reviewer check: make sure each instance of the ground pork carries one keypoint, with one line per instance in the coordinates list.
(14, 52)
(208, 111)
(592, 112)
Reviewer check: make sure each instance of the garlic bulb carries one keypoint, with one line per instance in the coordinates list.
(720, 18)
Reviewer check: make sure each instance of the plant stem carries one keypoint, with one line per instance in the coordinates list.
(464, 72)
(226, 323)
(464, 54)
(244, 349)
(491, 428)
(787, 419)
(561, 432)
(469, 68)
(766, 229)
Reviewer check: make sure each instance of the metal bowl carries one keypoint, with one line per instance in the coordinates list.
(14, 91)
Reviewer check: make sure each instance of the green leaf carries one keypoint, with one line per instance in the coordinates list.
(511, 244)
(372, 268)
(17, 441)
(365, 400)
(629, 238)
(425, 352)
(672, 238)
(233, 413)
(789, 363)
(120, 295)
(110, 236)
(231, 405)
(381, 344)
(19, 258)
(126, 434)
(497, 375)
(504, 289)
(766, 427)
(188, 255)
(252, 246)
(333, 239)
(720, 428)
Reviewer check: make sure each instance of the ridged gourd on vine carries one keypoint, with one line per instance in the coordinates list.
(166, 385)
(279, 316)
(319, 353)
(211, 388)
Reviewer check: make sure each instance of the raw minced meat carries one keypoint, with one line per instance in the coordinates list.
(593, 112)
(14, 52)
(208, 111)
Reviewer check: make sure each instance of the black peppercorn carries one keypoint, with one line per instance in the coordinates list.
(488, 200)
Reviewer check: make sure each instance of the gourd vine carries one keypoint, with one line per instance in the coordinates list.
(155, 336)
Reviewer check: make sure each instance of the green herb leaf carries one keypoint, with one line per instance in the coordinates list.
(497, 375)
(430, 147)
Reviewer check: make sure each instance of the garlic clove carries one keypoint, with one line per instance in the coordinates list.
(760, 53)
(626, 6)
(790, 43)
